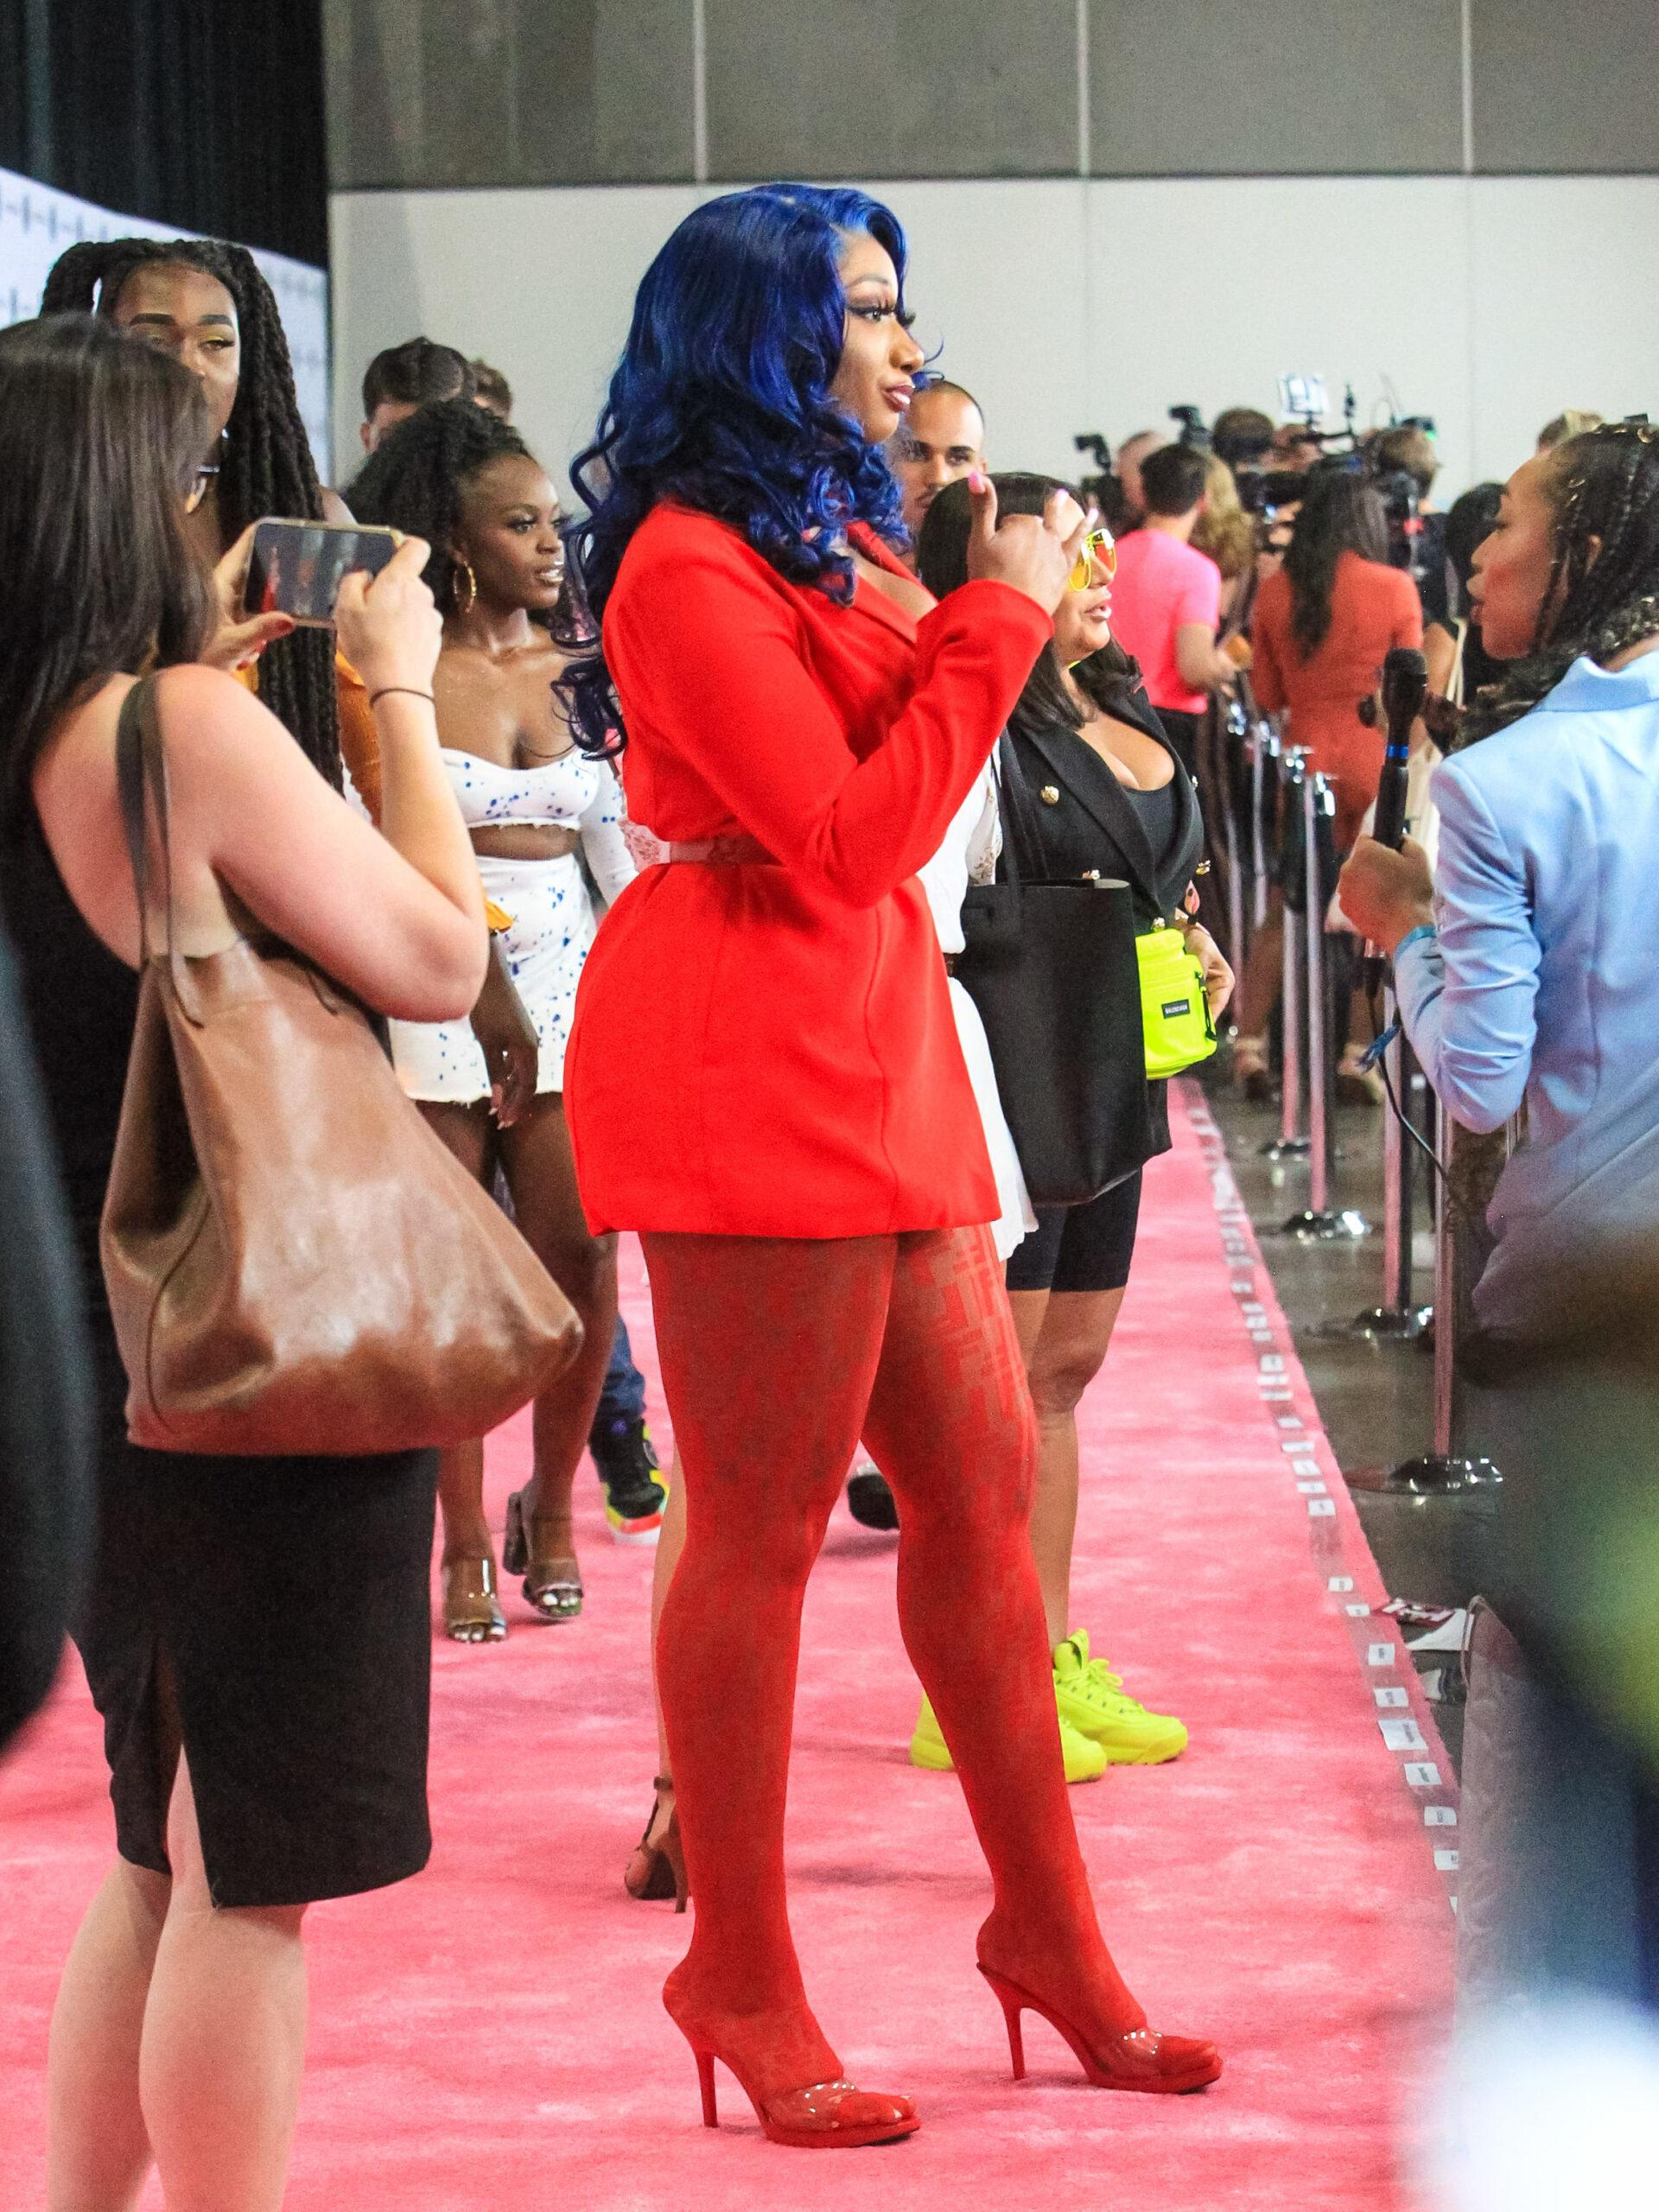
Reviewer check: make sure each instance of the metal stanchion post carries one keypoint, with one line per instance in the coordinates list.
(1318, 1219)
(1291, 1142)
(1447, 1467)
(1399, 1318)
(1234, 739)
(1264, 770)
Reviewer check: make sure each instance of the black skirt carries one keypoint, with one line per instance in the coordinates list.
(276, 1615)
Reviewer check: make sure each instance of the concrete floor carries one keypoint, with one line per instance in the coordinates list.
(1373, 1397)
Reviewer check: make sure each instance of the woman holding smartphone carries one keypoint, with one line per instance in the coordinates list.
(256, 1632)
(813, 1193)
(461, 478)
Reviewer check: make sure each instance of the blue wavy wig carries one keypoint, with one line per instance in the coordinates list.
(722, 401)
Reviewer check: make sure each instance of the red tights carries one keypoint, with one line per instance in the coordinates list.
(777, 1355)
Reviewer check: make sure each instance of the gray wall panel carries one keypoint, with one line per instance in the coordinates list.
(436, 93)
(892, 88)
(1278, 88)
(1565, 89)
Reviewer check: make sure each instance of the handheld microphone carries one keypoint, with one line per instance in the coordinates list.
(1405, 687)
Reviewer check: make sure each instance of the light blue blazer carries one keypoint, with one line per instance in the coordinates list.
(1543, 981)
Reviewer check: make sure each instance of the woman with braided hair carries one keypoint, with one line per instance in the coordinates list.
(1525, 970)
(463, 480)
(205, 302)
(1526, 977)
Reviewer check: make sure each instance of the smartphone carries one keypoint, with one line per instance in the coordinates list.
(296, 568)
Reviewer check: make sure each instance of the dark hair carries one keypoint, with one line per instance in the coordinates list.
(1172, 480)
(1470, 518)
(267, 467)
(413, 480)
(491, 388)
(1241, 434)
(928, 383)
(1603, 485)
(100, 439)
(1409, 448)
(941, 563)
(416, 374)
(722, 401)
(1340, 513)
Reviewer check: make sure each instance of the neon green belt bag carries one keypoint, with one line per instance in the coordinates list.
(1174, 1012)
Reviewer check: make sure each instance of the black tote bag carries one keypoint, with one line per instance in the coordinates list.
(1051, 967)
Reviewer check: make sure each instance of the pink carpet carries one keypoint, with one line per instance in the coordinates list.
(490, 2037)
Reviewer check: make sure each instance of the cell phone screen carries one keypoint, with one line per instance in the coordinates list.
(297, 568)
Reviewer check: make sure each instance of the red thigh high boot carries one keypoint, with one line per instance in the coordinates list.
(769, 1347)
(951, 1424)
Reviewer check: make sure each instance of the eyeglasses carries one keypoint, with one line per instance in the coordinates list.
(1099, 550)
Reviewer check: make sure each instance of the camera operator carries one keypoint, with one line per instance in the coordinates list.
(1127, 464)
(1403, 456)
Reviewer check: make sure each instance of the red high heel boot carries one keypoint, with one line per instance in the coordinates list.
(951, 1393)
(827, 2116)
(1162, 2065)
(736, 1316)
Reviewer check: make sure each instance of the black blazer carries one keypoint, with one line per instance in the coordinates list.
(1088, 823)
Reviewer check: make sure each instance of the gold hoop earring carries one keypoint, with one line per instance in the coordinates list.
(465, 568)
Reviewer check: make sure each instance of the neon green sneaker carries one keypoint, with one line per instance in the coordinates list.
(1084, 1762)
(1092, 1702)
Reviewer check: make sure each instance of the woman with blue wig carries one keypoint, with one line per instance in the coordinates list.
(812, 1188)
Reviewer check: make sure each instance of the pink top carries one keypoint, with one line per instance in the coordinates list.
(1160, 587)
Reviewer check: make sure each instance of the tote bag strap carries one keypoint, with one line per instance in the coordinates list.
(141, 774)
(1022, 841)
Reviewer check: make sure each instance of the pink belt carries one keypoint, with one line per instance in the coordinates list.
(736, 850)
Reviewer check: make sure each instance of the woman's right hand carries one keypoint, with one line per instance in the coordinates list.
(1031, 552)
(388, 625)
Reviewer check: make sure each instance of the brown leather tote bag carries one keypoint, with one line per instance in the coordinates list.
(295, 1263)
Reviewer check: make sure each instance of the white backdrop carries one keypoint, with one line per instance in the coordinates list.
(1488, 302)
(37, 225)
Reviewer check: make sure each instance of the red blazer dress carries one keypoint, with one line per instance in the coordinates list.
(769, 1051)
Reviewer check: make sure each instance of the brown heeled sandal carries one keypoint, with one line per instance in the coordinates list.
(471, 1613)
(656, 1870)
(552, 1580)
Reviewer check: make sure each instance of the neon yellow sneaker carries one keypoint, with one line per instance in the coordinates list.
(1084, 1762)
(1092, 1703)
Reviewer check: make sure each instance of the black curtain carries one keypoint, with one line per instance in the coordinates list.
(205, 113)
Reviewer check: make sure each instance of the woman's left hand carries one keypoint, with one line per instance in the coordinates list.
(240, 638)
(1218, 975)
(507, 1038)
(1384, 894)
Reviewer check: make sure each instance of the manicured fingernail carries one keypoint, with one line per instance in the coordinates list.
(976, 479)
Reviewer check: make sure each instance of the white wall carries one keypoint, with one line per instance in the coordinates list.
(1490, 303)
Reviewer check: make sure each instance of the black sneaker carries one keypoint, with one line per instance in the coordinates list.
(635, 1493)
(869, 1500)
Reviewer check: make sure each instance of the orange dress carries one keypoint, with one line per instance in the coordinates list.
(1373, 608)
(769, 1049)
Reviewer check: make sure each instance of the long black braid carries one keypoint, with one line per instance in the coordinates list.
(1604, 486)
(267, 467)
(413, 479)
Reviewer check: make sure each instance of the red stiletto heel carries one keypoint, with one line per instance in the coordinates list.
(827, 2116)
(1159, 2065)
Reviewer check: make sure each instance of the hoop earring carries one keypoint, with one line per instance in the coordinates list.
(465, 568)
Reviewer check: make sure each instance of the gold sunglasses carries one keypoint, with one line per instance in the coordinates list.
(1099, 550)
